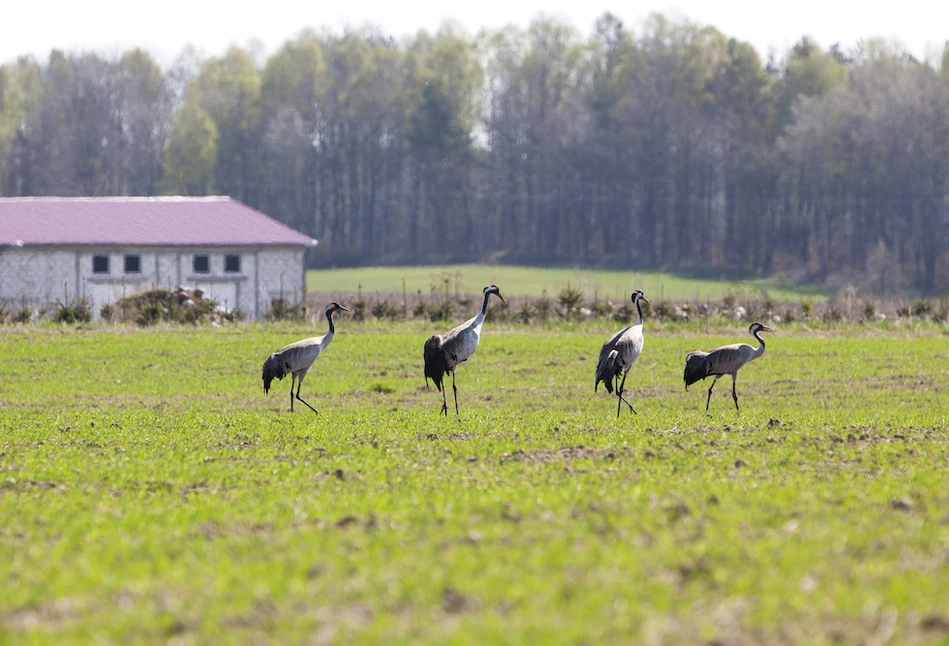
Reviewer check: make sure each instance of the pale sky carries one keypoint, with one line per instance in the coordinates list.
(164, 28)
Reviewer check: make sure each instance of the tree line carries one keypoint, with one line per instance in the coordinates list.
(669, 146)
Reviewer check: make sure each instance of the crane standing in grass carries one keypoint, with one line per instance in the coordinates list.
(444, 352)
(725, 360)
(619, 353)
(295, 359)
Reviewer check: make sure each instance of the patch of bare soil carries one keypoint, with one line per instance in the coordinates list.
(12, 484)
(453, 437)
(369, 522)
(198, 488)
(332, 619)
(339, 474)
(212, 530)
(565, 453)
(729, 621)
(856, 434)
(263, 613)
(48, 615)
(239, 442)
(454, 602)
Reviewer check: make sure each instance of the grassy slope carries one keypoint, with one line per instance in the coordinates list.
(151, 491)
(532, 281)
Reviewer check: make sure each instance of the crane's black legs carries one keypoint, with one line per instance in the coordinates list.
(710, 391)
(455, 391)
(444, 390)
(619, 396)
(300, 383)
(735, 394)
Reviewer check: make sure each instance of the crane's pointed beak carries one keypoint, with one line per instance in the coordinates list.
(645, 300)
(345, 309)
(765, 328)
(501, 297)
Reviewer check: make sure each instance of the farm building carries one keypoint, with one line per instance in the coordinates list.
(105, 248)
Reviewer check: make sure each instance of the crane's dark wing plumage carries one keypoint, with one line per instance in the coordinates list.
(435, 364)
(273, 369)
(696, 367)
(606, 369)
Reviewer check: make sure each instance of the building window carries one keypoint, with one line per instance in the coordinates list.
(201, 263)
(133, 263)
(100, 264)
(232, 263)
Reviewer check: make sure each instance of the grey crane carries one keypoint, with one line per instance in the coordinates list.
(443, 352)
(726, 360)
(619, 353)
(295, 359)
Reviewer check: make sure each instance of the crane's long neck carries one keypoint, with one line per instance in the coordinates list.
(760, 349)
(329, 335)
(479, 319)
(639, 311)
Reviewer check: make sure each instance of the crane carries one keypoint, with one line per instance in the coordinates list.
(726, 360)
(619, 353)
(444, 352)
(295, 359)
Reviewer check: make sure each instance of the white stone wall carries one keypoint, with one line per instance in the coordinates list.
(36, 276)
(280, 273)
(168, 267)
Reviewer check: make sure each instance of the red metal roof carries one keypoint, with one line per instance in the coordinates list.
(142, 221)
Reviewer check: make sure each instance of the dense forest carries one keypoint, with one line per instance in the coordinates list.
(667, 146)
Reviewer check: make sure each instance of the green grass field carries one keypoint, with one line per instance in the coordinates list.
(532, 281)
(152, 493)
